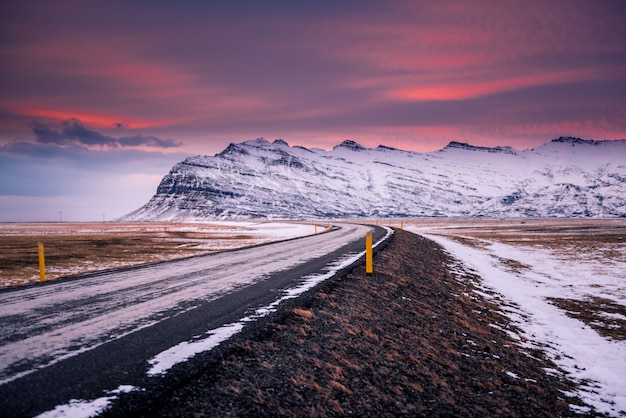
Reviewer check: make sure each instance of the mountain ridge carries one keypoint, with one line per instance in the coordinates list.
(566, 177)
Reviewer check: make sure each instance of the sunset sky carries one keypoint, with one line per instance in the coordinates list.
(98, 99)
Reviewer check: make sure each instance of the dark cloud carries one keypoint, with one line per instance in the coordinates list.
(45, 135)
(150, 141)
(74, 132)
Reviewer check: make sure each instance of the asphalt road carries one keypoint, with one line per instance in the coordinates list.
(82, 338)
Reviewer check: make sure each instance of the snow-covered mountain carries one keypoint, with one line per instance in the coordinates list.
(567, 177)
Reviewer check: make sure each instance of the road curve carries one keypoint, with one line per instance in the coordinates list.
(77, 339)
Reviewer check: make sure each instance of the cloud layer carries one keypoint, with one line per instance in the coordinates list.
(203, 71)
(74, 132)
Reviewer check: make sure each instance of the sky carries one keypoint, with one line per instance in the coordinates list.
(98, 99)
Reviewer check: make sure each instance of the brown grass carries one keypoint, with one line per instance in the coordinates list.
(596, 239)
(593, 313)
(76, 248)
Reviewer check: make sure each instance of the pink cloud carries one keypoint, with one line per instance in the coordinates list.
(99, 120)
(472, 90)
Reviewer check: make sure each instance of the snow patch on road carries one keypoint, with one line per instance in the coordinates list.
(181, 352)
(86, 409)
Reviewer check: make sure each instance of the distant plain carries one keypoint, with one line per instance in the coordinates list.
(77, 248)
(72, 249)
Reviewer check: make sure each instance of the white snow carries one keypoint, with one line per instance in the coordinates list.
(526, 274)
(568, 178)
(185, 350)
(85, 409)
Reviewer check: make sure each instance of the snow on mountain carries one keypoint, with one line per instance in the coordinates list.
(567, 177)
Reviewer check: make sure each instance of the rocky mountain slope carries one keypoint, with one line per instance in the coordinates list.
(567, 177)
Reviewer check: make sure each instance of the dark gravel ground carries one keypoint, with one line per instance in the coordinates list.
(411, 340)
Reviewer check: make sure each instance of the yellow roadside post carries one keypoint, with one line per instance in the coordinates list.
(314, 225)
(369, 262)
(42, 263)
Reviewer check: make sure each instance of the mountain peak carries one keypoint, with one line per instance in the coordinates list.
(257, 142)
(468, 147)
(384, 147)
(351, 145)
(232, 149)
(574, 141)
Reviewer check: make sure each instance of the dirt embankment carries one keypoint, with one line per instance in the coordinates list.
(412, 340)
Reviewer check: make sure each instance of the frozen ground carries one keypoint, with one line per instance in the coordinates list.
(563, 283)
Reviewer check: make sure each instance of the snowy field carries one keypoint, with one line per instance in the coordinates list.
(78, 248)
(562, 282)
